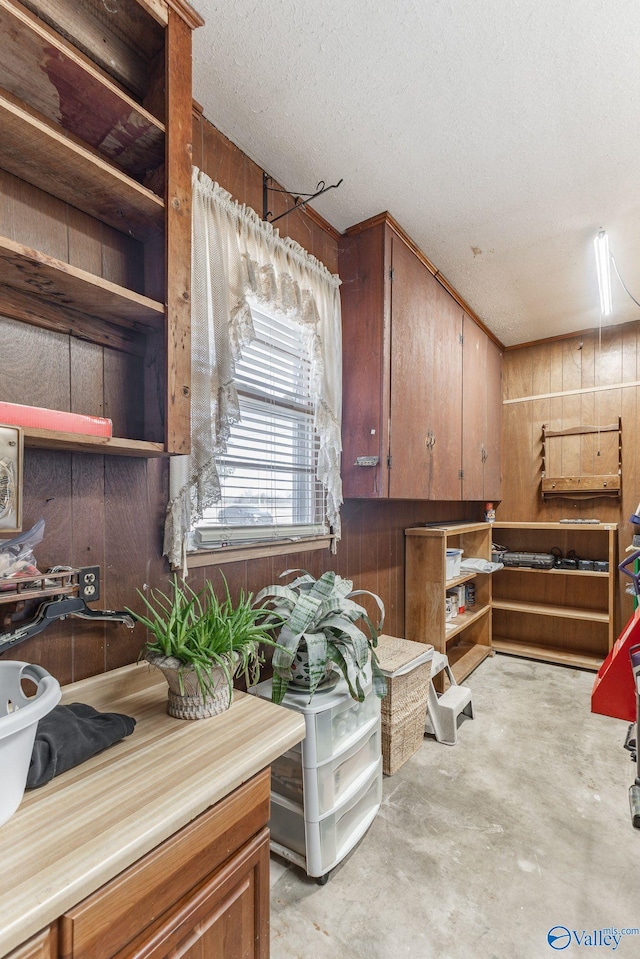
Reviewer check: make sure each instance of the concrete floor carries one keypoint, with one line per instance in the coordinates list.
(480, 849)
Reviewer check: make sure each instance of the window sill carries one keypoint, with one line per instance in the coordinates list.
(235, 554)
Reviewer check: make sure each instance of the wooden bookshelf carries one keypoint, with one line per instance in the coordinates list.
(557, 615)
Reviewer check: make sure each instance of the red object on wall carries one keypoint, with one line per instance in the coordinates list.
(614, 692)
(15, 414)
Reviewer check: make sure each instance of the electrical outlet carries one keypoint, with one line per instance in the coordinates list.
(89, 583)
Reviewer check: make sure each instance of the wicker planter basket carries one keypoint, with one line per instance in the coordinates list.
(191, 704)
(407, 666)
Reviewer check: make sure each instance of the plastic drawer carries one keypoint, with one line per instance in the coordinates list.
(322, 787)
(327, 784)
(286, 777)
(333, 719)
(287, 825)
(333, 730)
(324, 844)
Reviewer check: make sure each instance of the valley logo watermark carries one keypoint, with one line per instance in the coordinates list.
(559, 937)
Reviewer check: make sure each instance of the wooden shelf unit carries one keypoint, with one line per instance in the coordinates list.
(466, 640)
(95, 113)
(561, 616)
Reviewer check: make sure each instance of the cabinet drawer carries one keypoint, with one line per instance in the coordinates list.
(324, 786)
(112, 917)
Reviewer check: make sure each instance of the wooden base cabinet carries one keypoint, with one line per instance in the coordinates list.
(203, 893)
(42, 946)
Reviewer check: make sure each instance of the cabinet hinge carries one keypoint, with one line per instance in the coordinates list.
(391, 274)
(389, 462)
(462, 338)
(460, 474)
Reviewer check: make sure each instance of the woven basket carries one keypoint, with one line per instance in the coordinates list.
(191, 704)
(404, 708)
(401, 740)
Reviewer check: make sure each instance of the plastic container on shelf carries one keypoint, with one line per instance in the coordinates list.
(454, 558)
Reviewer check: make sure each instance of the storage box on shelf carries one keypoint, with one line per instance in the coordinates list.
(466, 640)
(95, 111)
(326, 791)
(559, 615)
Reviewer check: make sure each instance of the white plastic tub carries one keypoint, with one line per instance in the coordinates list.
(19, 716)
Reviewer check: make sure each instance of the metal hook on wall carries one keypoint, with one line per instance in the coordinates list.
(298, 204)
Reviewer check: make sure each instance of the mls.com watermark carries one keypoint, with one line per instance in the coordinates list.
(559, 937)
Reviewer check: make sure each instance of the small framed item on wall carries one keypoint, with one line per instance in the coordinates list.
(11, 458)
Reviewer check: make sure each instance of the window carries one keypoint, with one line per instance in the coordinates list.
(268, 473)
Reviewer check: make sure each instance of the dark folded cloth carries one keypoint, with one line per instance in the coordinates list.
(70, 734)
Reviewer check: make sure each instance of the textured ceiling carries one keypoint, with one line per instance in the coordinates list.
(500, 134)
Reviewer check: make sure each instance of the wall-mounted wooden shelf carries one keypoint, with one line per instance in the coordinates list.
(582, 447)
(36, 63)
(81, 443)
(60, 285)
(95, 149)
(32, 148)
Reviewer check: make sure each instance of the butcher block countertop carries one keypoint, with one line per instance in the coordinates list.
(73, 835)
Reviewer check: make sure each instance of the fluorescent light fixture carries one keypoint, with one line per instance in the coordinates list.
(603, 267)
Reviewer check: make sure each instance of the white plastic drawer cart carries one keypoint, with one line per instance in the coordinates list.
(326, 791)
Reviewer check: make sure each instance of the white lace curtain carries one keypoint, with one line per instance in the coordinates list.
(237, 259)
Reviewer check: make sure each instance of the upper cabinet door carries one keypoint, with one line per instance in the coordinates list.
(445, 418)
(412, 342)
(493, 459)
(474, 410)
(402, 420)
(481, 415)
(364, 271)
(426, 383)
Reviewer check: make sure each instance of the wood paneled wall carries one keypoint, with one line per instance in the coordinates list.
(586, 380)
(109, 510)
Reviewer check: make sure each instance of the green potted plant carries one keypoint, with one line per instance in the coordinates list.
(200, 643)
(319, 632)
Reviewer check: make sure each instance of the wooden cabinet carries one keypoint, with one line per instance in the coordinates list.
(42, 946)
(559, 615)
(95, 186)
(481, 415)
(203, 892)
(466, 640)
(404, 395)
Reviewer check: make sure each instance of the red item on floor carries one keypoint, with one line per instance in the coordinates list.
(614, 692)
(15, 414)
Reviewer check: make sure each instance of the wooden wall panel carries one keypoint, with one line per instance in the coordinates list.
(587, 362)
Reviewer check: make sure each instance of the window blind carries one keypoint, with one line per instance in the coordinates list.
(268, 473)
